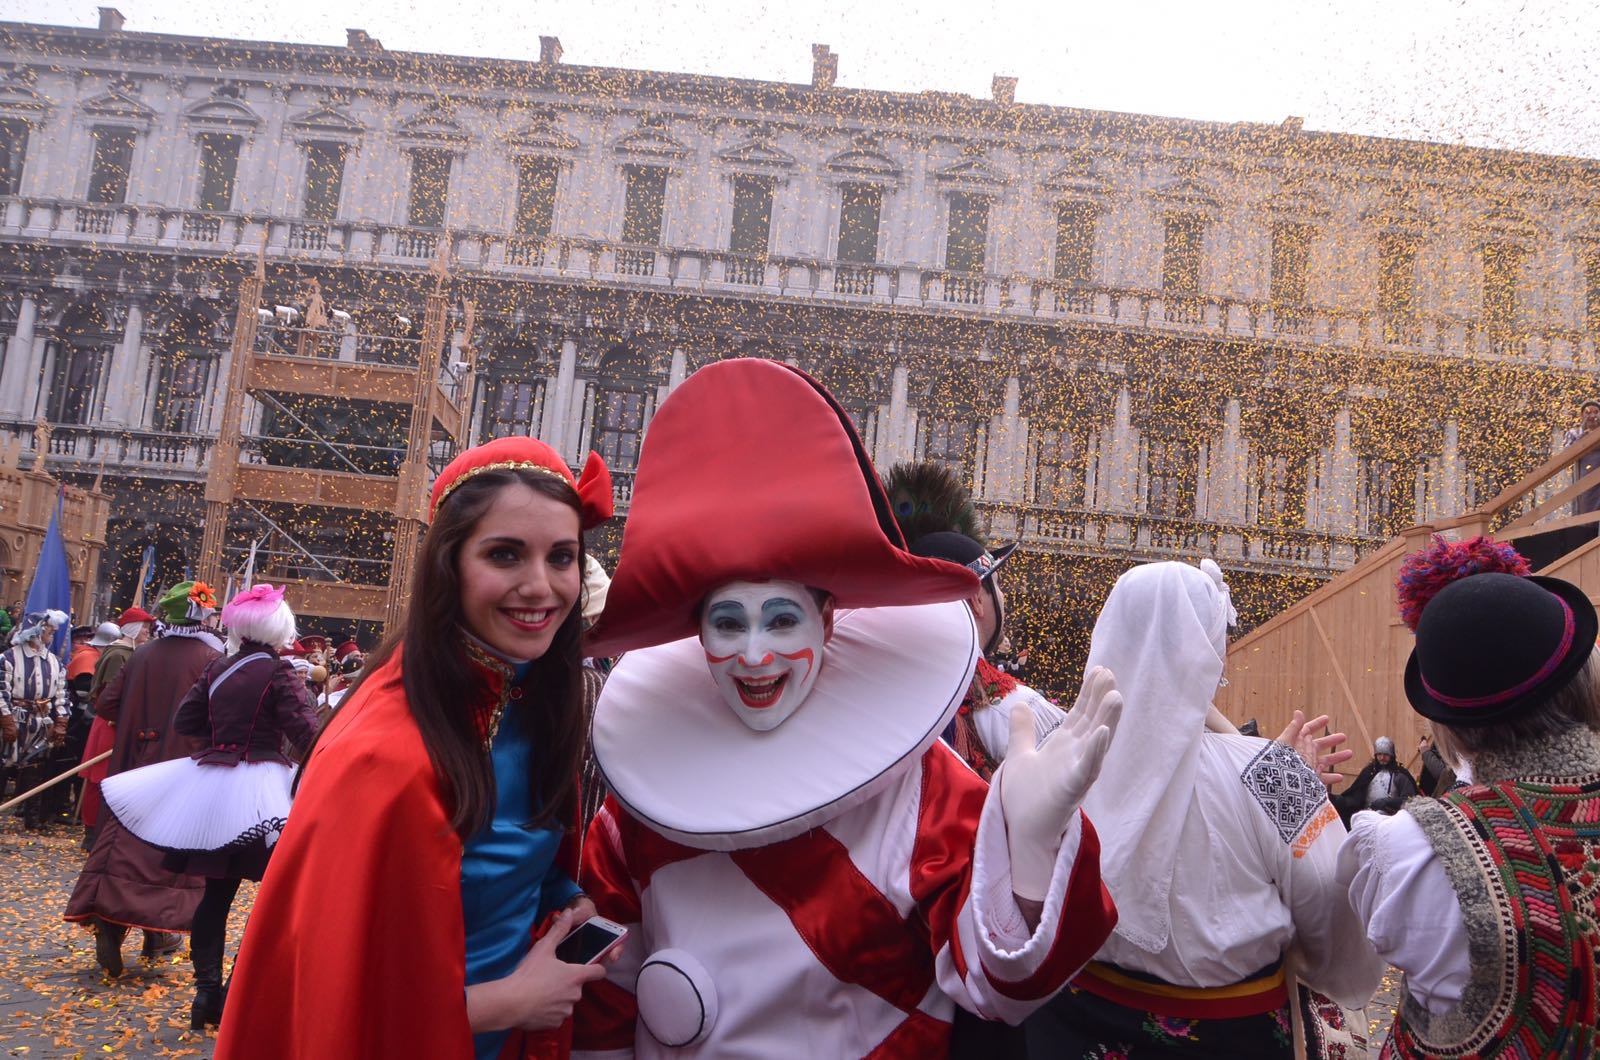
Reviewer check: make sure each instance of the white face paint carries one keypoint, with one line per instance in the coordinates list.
(763, 642)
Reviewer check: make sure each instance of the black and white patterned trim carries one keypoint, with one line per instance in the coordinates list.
(1286, 789)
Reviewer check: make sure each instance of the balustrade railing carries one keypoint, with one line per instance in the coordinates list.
(416, 243)
(308, 236)
(94, 221)
(635, 262)
(965, 290)
(116, 449)
(201, 228)
(1222, 316)
(1154, 536)
(853, 280)
(525, 253)
(746, 271)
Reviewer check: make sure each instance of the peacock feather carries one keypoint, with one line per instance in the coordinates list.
(928, 497)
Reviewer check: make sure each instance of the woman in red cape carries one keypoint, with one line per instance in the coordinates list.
(431, 839)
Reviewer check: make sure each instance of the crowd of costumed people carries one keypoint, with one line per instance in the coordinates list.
(768, 791)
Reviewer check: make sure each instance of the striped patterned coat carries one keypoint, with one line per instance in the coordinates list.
(33, 692)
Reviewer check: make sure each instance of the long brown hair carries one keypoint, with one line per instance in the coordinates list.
(436, 670)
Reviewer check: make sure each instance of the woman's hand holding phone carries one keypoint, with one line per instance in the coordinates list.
(540, 993)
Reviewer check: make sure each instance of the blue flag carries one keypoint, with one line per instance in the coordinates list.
(52, 580)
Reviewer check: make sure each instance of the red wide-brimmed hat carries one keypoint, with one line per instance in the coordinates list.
(532, 455)
(134, 614)
(347, 649)
(751, 470)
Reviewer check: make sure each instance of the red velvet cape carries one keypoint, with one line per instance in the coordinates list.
(355, 946)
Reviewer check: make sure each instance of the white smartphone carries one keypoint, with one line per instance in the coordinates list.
(590, 941)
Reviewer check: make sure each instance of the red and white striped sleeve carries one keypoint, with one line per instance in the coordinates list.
(986, 959)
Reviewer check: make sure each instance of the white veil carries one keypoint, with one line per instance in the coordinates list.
(1163, 632)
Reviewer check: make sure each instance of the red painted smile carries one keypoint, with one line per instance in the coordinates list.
(760, 693)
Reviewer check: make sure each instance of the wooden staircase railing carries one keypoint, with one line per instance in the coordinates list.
(1342, 650)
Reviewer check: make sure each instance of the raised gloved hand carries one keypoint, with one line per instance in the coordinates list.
(58, 733)
(1041, 787)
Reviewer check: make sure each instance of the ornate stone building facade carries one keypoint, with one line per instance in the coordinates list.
(1137, 337)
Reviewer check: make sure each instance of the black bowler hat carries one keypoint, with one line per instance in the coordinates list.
(959, 548)
(1490, 646)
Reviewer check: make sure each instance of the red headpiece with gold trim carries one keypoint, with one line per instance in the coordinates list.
(531, 455)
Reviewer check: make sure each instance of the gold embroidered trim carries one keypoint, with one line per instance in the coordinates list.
(504, 465)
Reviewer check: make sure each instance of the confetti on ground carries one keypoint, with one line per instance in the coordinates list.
(54, 999)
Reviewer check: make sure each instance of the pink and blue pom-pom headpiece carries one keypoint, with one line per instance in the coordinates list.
(1426, 571)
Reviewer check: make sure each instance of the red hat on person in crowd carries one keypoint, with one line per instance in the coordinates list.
(134, 614)
(297, 650)
(520, 453)
(347, 649)
(823, 521)
(313, 642)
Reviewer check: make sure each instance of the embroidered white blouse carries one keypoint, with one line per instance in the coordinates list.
(1255, 874)
(1399, 890)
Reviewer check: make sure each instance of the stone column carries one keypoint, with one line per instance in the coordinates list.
(675, 375)
(1452, 474)
(122, 384)
(897, 439)
(1339, 499)
(1119, 459)
(558, 397)
(1226, 480)
(19, 357)
(1006, 469)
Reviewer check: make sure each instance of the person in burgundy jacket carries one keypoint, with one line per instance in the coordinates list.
(219, 812)
(123, 883)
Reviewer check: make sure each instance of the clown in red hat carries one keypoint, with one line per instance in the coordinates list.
(796, 855)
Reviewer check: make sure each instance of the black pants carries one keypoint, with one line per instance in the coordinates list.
(209, 936)
(28, 776)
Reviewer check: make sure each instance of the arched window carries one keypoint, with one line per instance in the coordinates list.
(188, 370)
(624, 392)
(949, 425)
(82, 349)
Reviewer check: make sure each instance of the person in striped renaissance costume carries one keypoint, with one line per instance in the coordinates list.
(33, 707)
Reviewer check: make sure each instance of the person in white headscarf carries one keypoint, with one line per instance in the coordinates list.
(1218, 849)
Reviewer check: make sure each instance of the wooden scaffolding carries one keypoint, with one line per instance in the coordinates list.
(298, 353)
(1342, 650)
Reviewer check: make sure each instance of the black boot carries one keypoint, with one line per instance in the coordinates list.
(207, 1008)
(206, 952)
(108, 946)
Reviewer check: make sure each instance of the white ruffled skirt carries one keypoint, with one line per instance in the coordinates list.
(185, 807)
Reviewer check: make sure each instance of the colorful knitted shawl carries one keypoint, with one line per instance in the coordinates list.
(1524, 859)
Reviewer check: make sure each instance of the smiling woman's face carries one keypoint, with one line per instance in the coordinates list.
(519, 572)
(763, 642)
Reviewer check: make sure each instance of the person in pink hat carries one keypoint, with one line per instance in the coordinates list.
(802, 866)
(219, 812)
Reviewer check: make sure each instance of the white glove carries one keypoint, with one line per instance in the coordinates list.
(1041, 787)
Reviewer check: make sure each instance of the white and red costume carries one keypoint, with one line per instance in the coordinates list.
(837, 885)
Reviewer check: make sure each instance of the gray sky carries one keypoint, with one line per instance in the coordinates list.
(1523, 75)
